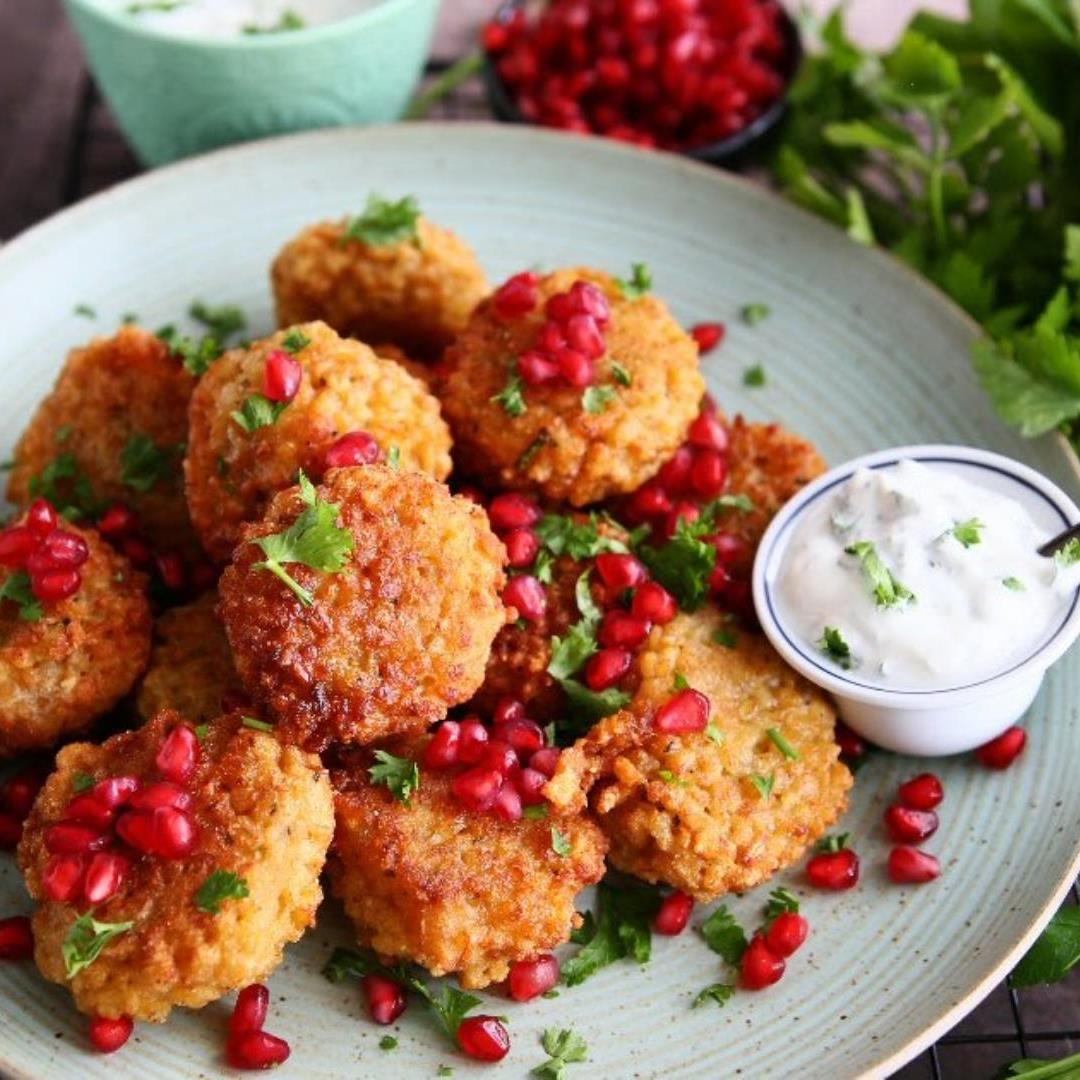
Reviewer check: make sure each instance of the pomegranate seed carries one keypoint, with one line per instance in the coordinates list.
(256, 1050)
(16, 938)
(1001, 752)
(910, 866)
(687, 711)
(442, 751)
(851, 745)
(476, 788)
(648, 502)
(41, 518)
(922, 792)
(787, 933)
(507, 804)
(118, 520)
(385, 998)
(61, 880)
(653, 603)
(353, 448)
(620, 629)
(178, 755)
(606, 668)
(473, 741)
(729, 548)
(170, 568)
(908, 826)
(161, 793)
(517, 296)
(137, 550)
(249, 1012)
(523, 734)
(65, 549)
(499, 756)
(70, 838)
(105, 874)
(507, 710)
(708, 474)
(281, 376)
(674, 914)
(584, 336)
(536, 369)
(512, 511)
(522, 547)
(115, 790)
(708, 433)
(173, 831)
(136, 828)
(760, 966)
(620, 571)
(586, 299)
(17, 544)
(550, 338)
(531, 978)
(11, 830)
(708, 335)
(20, 790)
(483, 1038)
(559, 308)
(530, 784)
(545, 761)
(575, 367)
(675, 473)
(52, 586)
(107, 1035)
(87, 810)
(527, 596)
(834, 870)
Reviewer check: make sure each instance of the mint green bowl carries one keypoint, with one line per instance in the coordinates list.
(177, 96)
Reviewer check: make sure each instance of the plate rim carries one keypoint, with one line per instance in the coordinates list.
(23, 245)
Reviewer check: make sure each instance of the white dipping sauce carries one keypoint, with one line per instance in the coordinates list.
(975, 610)
(230, 18)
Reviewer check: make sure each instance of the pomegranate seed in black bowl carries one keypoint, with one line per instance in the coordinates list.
(706, 78)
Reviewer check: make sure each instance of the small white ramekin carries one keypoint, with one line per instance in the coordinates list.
(924, 722)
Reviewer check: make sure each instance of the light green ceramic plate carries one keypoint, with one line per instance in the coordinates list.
(859, 354)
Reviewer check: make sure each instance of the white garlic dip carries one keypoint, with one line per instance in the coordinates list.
(914, 577)
(233, 18)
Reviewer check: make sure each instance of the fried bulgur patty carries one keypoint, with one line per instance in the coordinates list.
(63, 670)
(391, 641)
(417, 293)
(117, 419)
(557, 446)
(262, 811)
(685, 809)
(233, 472)
(452, 889)
(191, 668)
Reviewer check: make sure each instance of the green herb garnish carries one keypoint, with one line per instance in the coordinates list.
(969, 532)
(221, 322)
(563, 1047)
(85, 941)
(512, 396)
(621, 929)
(255, 724)
(82, 782)
(86, 311)
(596, 399)
(884, 585)
(638, 284)
(724, 935)
(400, 775)
(782, 744)
(718, 992)
(764, 785)
(385, 222)
(18, 590)
(295, 341)
(196, 354)
(145, 464)
(560, 843)
(620, 374)
(289, 21)
(754, 376)
(1014, 583)
(832, 643)
(258, 412)
(220, 886)
(754, 313)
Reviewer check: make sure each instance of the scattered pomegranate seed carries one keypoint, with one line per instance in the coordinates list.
(584, 336)
(442, 751)
(674, 914)
(476, 788)
(606, 668)
(531, 978)
(708, 335)
(674, 474)
(621, 629)
(170, 568)
(910, 866)
(87, 810)
(922, 792)
(508, 802)
(1001, 752)
(654, 604)
(522, 547)
(760, 966)
(52, 586)
(852, 746)
(729, 548)
(834, 870)
(16, 938)
(137, 550)
(507, 710)
(108, 1035)
(473, 741)
(173, 833)
(118, 520)
(385, 998)
(907, 826)
(483, 1038)
(619, 571)
(517, 296)
(71, 838)
(499, 756)
(530, 784)
(787, 933)
(545, 761)
(536, 369)
(18, 792)
(256, 1050)
(650, 501)
(105, 874)
(708, 475)
(41, 518)
(353, 448)
(687, 711)
(523, 734)
(61, 880)
(16, 546)
(64, 549)
(512, 511)
(249, 1012)
(178, 754)
(527, 596)
(163, 793)
(281, 376)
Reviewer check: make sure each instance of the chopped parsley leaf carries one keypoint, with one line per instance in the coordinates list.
(400, 775)
(393, 458)
(683, 566)
(562, 534)
(258, 412)
(536, 812)
(86, 311)
(969, 532)
(384, 222)
(569, 653)
(585, 706)
(621, 929)
(289, 21)
(220, 886)
(1014, 583)
(638, 284)
(145, 464)
(781, 901)
(534, 448)
(128, 318)
(256, 724)
(681, 682)
(620, 374)
(18, 590)
(512, 396)
(754, 376)
(560, 843)
(887, 590)
(833, 843)
(754, 313)
(584, 598)
(445, 1070)
(82, 782)
(713, 733)
(196, 355)
(542, 568)
(201, 731)
(1068, 553)
(782, 744)
(221, 322)
(718, 992)
(596, 399)
(63, 433)
(85, 940)
(764, 785)
(724, 935)
(67, 487)
(295, 341)
(155, 5)
(450, 1007)
(832, 643)
(670, 778)
(563, 1047)
(727, 637)
(388, 1042)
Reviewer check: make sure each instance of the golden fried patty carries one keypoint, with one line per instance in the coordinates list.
(62, 671)
(721, 810)
(451, 889)
(393, 639)
(416, 294)
(117, 417)
(557, 446)
(263, 811)
(232, 472)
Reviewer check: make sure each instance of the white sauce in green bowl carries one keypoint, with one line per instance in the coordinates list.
(229, 18)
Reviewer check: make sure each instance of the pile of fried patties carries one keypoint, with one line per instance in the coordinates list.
(463, 702)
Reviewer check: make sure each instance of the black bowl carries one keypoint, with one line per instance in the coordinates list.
(737, 150)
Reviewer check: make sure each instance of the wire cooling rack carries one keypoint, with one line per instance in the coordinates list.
(1042, 1022)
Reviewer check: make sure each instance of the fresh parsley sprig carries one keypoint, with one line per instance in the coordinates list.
(385, 222)
(887, 590)
(18, 590)
(400, 775)
(563, 1047)
(86, 939)
(220, 886)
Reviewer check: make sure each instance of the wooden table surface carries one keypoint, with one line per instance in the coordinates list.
(60, 144)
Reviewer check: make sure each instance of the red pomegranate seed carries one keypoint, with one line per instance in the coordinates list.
(834, 870)
(559, 308)
(136, 828)
(1001, 752)
(922, 792)
(61, 880)
(530, 786)
(586, 299)
(606, 668)
(653, 603)
(648, 502)
(524, 735)
(137, 550)
(170, 568)
(681, 512)
(385, 998)
(708, 335)
(787, 933)
(500, 756)
(249, 1012)
(178, 754)
(483, 1038)
(708, 474)
(522, 547)
(512, 510)
(530, 978)
(575, 367)
(619, 571)
(729, 548)
(760, 966)
(527, 596)
(114, 791)
(517, 296)
(162, 793)
(545, 761)
(442, 751)
(65, 549)
(41, 518)
(507, 804)
(473, 741)
(71, 838)
(16, 938)
(687, 711)
(536, 369)
(281, 376)
(851, 745)
(20, 790)
(87, 810)
(550, 338)
(353, 448)
(118, 520)
(17, 544)
(907, 826)
(910, 866)
(621, 629)
(52, 586)
(584, 336)
(507, 710)
(105, 874)
(674, 914)
(256, 1050)
(476, 788)
(11, 830)
(173, 832)
(674, 474)
(107, 1035)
